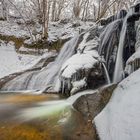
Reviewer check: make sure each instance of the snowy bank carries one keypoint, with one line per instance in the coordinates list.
(11, 61)
(120, 118)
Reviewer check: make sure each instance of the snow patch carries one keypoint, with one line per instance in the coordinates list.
(77, 85)
(77, 62)
(11, 61)
(120, 118)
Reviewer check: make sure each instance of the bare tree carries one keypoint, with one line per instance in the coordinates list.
(5, 9)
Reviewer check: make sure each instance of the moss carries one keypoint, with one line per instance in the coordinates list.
(41, 44)
(2, 19)
(18, 41)
(35, 45)
(58, 44)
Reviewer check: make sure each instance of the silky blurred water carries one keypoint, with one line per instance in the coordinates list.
(39, 117)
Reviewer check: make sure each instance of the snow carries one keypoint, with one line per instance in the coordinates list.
(58, 30)
(77, 62)
(27, 50)
(77, 85)
(11, 61)
(85, 58)
(137, 2)
(87, 46)
(120, 118)
(79, 65)
(13, 29)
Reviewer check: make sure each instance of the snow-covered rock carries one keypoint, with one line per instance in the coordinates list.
(133, 63)
(76, 63)
(58, 30)
(77, 70)
(120, 118)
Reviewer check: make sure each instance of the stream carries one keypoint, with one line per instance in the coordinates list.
(41, 117)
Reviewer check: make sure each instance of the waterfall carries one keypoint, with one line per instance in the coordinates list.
(109, 40)
(106, 36)
(47, 77)
(118, 74)
(106, 73)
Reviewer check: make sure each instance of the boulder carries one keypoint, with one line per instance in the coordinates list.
(91, 105)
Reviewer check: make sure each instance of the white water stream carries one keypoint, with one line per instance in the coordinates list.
(119, 68)
(106, 73)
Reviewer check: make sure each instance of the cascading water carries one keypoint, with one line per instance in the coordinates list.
(109, 40)
(106, 73)
(48, 76)
(106, 37)
(52, 71)
(119, 70)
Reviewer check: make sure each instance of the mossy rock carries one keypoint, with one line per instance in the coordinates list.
(41, 44)
(18, 41)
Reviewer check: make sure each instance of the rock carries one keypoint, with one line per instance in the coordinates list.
(80, 72)
(110, 19)
(94, 32)
(134, 17)
(137, 7)
(91, 105)
(83, 70)
(122, 14)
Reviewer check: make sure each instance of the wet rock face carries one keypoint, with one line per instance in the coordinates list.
(130, 41)
(134, 17)
(91, 105)
(137, 8)
(122, 14)
(131, 51)
(133, 63)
